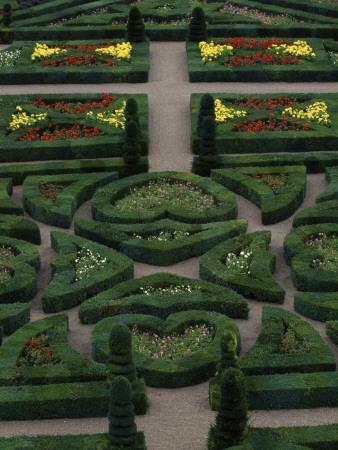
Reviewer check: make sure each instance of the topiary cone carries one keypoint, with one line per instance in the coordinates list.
(207, 108)
(135, 26)
(131, 146)
(197, 27)
(120, 359)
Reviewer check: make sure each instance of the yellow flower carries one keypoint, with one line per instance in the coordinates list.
(115, 118)
(222, 113)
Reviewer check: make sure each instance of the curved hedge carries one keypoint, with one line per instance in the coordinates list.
(295, 241)
(331, 192)
(13, 316)
(60, 213)
(103, 201)
(274, 208)
(320, 306)
(133, 239)
(259, 284)
(19, 227)
(7, 206)
(264, 357)
(64, 292)
(320, 213)
(192, 369)
(130, 297)
(332, 330)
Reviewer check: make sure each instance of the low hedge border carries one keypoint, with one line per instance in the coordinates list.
(322, 212)
(7, 206)
(108, 145)
(320, 437)
(60, 213)
(259, 284)
(76, 367)
(63, 292)
(193, 369)
(320, 306)
(295, 241)
(274, 208)
(18, 172)
(23, 252)
(331, 192)
(332, 330)
(264, 359)
(228, 141)
(19, 227)
(128, 298)
(285, 391)
(14, 316)
(200, 238)
(24, 72)
(307, 278)
(318, 70)
(314, 162)
(103, 208)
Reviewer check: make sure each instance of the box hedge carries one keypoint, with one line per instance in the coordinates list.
(7, 206)
(19, 227)
(322, 212)
(13, 316)
(320, 306)
(332, 330)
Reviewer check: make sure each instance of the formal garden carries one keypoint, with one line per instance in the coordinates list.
(150, 259)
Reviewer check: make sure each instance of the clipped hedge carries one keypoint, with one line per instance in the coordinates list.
(7, 206)
(318, 138)
(103, 201)
(315, 162)
(320, 437)
(274, 207)
(18, 172)
(27, 71)
(19, 227)
(14, 316)
(139, 243)
(331, 192)
(75, 367)
(295, 241)
(332, 330)
(319, 69)
(319, 213)
(64, 111)
(64, 291)
(60, 213)
(264, 357)
(192, 369)
(130, 297)
(286, 391)
(320, 306)
(259, 284)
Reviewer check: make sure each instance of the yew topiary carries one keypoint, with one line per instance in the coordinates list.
(228, 357)
(131, 112)
(7, 14)
(207, 108)
(131, 146)
(120, 360)
(230, 427)
(197, 31)
(135, 26)
(121, 416)
(207, 145)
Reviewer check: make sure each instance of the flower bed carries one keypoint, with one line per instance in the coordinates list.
(259, 59)
(160, 295)
(191, 369)
(67, 126)
(162, 242)
(311, 123)
(102, 61)
(277, 191)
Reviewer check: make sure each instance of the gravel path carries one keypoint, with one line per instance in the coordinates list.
(177, 419)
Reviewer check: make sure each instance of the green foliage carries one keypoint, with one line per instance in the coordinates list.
(228, 357)
(19, 227)
(230, 427)
(7, 14)
(13, 316)
(332, 330)
(131, 146)
(206, 109)
(197, 27)
(120, 361)
(135, 26)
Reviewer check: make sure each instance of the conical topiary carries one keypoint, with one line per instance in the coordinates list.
(7, 14)
(131, 146)
(197, 31)
(207, 145)
(228, 357)
(135, 26)
(121, 417)
(207, 108)
(131, 112)
(120, 359)
(230, 427)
